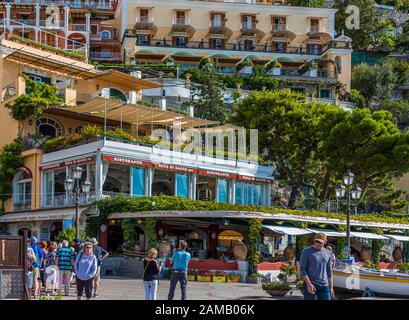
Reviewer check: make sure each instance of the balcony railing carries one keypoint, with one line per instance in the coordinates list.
(27, 22)
(78, 27)
(144, 19)
(181, 21)
(232, 46)
(314, 29)
(105, 55)
(77, 4)
(22, 205)
(55, 23)
(279, 27)
(64, 200)
(248, 25)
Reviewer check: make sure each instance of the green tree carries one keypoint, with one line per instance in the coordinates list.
(372, 147)
(67, 234)
(308, 3)
(399, 110)
(291, 130)
(363, 37)
(207, 94)
(374, 82)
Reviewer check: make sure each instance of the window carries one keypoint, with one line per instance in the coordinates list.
(222, 191)
(22, 191)
(138, 181)
(248, 194)
(163, 183)
(180, 17)
(217, 20)
(248, 44)
(144, 15)
(313, 49)
(180, 42)
(206, 188)
(105, 35)
(105, 54)
(49, 127)
(182, 185)
(279, 24)
(338, 63)
(314, 25)
(217, 43)
(94, 29)
(279, 47)
(143, 40)
(324, 94)
(117, 179)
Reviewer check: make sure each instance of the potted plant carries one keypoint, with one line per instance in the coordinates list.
(204, 276)
(191, 275)
(286, 271)
(276, 288)
(233, 277)
(300, 286)
(254, 277)
(403, 267)
(219, 276)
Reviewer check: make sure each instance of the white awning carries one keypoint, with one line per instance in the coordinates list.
(40, 215)
(329, 233)
(368, 235)
(397, 237)
(287, 230)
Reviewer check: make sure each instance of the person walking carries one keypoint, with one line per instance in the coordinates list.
(316, 270)
(151, 274)
(180, 262)
(101, 254)
(44, 247)
(51, 269)
(85, 268)
(65, 262)
(36, 265)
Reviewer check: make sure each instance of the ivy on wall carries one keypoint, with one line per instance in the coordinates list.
(255, 228)
(150, 223)
(10, 161)
(377, 246)
(128, 227)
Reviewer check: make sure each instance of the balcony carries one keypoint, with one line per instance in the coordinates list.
(22, 205)
(279, 27)
(52, 24)
(109, 56)
(229, 46)
(23, 22)
(78, 27)
(65, 200)
(314, 29)
(248, 25)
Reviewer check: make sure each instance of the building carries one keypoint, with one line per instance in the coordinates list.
(68, 25)
(232, 32)
(112, 166)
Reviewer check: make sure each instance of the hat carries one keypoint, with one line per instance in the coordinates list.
(76, 240)
(321, 236)
(33, 239)
(93, 241)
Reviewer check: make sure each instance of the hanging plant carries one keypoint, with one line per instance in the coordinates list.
(129, 232)
(40, 97)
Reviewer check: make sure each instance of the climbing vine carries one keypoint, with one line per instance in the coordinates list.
(339, 248)
(129, 232)
(150, 231)
(377, 246)
(255, 228)
(40, 97)
(301, 244)
(10, 161)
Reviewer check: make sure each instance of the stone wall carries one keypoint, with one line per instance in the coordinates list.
(122, 266)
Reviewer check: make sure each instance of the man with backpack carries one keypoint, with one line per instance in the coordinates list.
(39, 256)
(101, 254)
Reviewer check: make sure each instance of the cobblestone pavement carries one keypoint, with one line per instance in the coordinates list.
(119, 288)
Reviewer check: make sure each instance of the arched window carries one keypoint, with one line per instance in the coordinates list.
(22, 191)
(338, 63)
(105, 35)
(117, 94)
(48, 127)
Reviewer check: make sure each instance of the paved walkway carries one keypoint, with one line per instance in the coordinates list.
(119, 288)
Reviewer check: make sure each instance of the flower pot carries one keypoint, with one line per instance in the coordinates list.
(234, 279)
(204, 278)
(191, 277)
(252, 280)
(219, 279)
(277, 293)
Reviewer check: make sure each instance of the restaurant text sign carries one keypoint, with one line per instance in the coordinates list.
(67, 163)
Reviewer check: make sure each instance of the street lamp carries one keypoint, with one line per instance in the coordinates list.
(348, 195)
(72, 187)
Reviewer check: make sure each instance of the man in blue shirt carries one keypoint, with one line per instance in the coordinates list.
(36, 265)
(316, 270)
(180, 262)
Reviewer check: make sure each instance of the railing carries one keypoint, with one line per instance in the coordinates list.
(105, 56)
(53, 24)
(231, 46)
(78, 27)
(27, 22)
(22, 205)
(89, 4)
(9, 91)
(248, 25)
(64, 200)
(114, 194)
(144, 19)
(279, 27)
(181, 21)
(314, 29)
(217, 24)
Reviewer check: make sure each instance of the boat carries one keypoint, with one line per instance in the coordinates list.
(354, 278)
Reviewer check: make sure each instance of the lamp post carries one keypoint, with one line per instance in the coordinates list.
(72, 187)
(347, 195)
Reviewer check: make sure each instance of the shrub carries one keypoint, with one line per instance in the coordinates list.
(276, 285)
(56, 143)
(403, 267)
(90, 131)
(288, 269)
(255, 275)
(120, 133)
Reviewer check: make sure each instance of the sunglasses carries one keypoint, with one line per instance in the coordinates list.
(88, 247)
(318, 241)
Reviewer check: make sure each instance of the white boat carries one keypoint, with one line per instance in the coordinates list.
(355, 278)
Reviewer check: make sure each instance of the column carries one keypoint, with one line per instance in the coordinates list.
(232, 191)
(66, 22)
(38, 8)
(332, 25)
(99, 169)
(149, 181)
(88, 22)
(192, 189)
(8, 11)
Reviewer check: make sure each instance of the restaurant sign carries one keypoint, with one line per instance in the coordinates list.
(66, 163)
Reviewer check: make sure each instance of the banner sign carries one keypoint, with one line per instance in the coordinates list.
(66, 163)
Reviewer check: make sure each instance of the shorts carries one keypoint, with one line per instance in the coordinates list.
(97, 276)
(36, 274)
